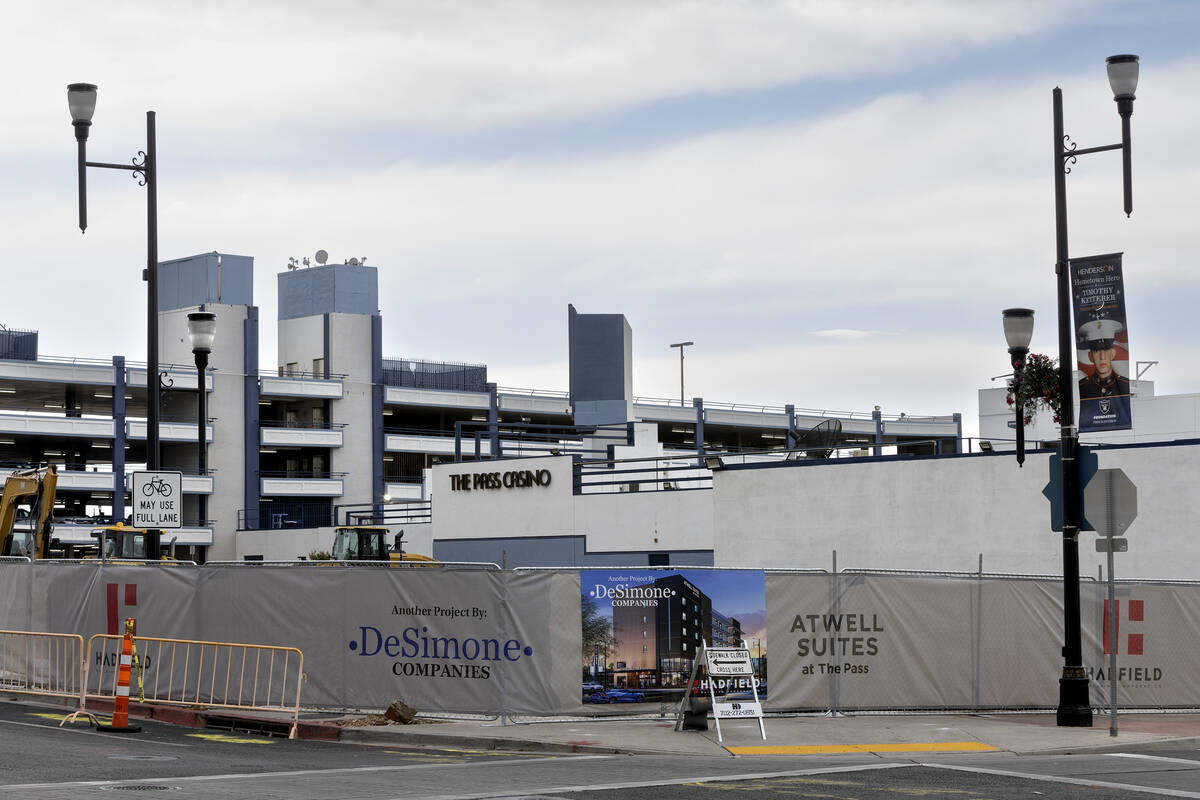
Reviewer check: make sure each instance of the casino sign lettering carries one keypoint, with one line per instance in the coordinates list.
(513, 479)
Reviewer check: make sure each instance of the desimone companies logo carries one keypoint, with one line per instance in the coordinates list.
(419, 651)
(622, 594)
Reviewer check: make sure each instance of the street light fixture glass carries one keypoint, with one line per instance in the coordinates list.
(1018, 328)
(1122, 75)
(81, 98)
(202, 328)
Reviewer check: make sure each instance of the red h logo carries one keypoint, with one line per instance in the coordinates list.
(1135, 643)
(114, 605)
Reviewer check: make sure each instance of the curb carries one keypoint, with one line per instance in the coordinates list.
(373, 735)
(1103, 749)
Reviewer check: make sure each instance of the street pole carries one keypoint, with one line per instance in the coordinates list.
(1074, 706)
(153, 387)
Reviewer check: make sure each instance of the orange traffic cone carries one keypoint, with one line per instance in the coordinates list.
(120, 716)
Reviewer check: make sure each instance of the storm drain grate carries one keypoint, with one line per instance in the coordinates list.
(139, 787)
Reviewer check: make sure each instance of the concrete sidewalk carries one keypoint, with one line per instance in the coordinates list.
(800, 735)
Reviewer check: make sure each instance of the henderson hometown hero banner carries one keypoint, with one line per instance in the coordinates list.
(1102, 341)
(642, 629)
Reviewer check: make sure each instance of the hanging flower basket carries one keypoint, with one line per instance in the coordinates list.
(1038, 387)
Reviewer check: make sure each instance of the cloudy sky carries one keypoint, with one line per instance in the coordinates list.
(833, 200)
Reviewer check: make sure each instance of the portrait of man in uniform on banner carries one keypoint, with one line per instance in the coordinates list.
(1104, 394)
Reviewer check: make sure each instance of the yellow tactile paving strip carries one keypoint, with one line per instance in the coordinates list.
(834, 749)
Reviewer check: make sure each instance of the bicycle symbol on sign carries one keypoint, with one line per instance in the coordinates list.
(156, 485)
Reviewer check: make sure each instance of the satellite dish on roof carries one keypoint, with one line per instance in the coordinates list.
(322, 256)
(353, 262)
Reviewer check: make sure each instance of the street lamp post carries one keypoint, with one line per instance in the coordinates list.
(1074, 706)
(202, 328)
(1018, 331)
(81, 98)
(681, 345)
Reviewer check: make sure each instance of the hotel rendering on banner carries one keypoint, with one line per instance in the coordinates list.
(1102, 342)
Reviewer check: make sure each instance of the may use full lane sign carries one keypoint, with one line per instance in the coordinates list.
(158, 499)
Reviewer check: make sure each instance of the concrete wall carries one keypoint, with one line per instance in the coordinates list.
(300, 341)
(942, 513)
(550, 525)
(351, 355)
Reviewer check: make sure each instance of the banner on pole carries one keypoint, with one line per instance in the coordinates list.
(1102, 341)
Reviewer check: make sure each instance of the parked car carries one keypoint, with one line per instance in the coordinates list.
(618, 696)
(592, 688)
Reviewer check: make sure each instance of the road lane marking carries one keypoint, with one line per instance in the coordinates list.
(88, 732)
(226, 738)
(835, 749)
(1190, 761)
(1128, 787)
(299, 773)
(589, 787)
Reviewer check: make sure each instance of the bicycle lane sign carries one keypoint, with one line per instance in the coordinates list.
(157, 500)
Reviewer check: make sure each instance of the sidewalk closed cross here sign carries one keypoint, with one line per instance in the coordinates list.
(724, 661)
(157, 500)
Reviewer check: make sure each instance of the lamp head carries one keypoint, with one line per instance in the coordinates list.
(202, 328)
(1018, 329)
(81, 99)
(1122, 75)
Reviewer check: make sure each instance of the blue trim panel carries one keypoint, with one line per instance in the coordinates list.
(326, 341)
(251, 434)
(118, 446)
(377, 442)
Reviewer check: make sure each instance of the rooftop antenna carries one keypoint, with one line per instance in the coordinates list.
(291, 263)
(321, 256)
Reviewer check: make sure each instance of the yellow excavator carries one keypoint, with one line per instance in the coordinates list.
(369, 543)
(121, 542)
(36, 488)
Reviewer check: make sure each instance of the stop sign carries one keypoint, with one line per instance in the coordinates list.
(1110, 502)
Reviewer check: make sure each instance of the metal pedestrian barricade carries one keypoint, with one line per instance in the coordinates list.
(185, 672)
(43, 664)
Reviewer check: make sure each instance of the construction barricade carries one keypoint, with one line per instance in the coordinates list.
(183, 672)
(42, 664)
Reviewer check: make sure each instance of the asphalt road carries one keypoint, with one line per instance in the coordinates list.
(39, 760)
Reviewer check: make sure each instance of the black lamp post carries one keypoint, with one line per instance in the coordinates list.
(1018, 331)
(202, 327)
(681, 345)
(1074, 706)
(81, 98)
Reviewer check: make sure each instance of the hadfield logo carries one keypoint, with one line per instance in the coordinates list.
(1134, 642)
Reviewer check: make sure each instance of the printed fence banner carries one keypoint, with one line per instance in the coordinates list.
(1158, 662)
(642, 629)
(1102, 341)
(847, 641)
(493, 642)
(469, 641)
